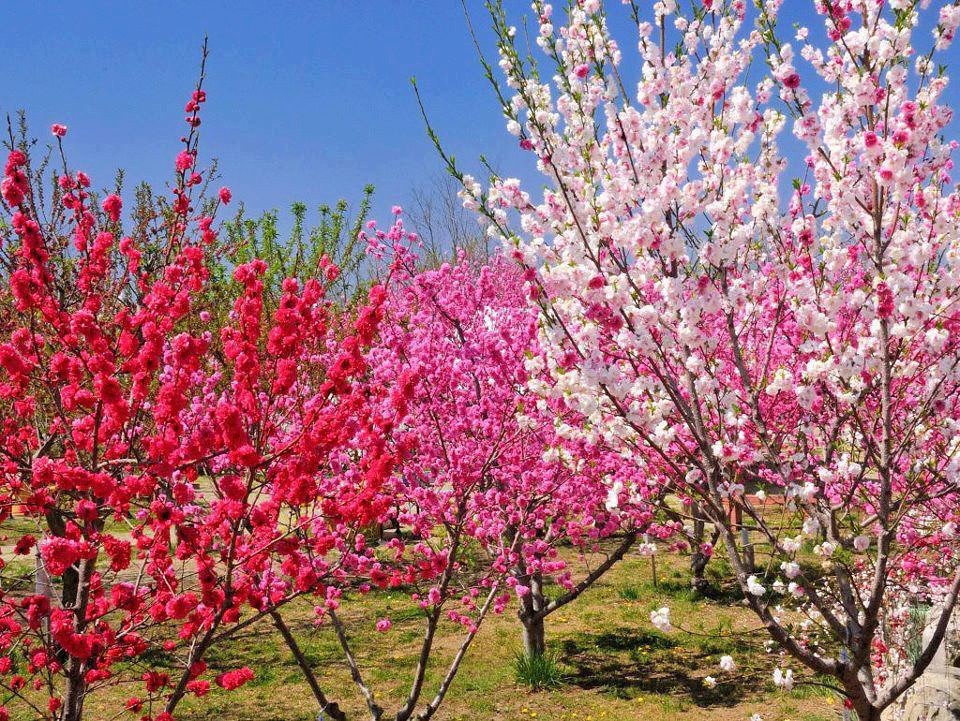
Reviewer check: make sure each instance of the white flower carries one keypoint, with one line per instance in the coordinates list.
(754, 588)
(783, 679)
(861, 543)
(782, 381)
(825, 549)
(756, 717)
(709, 682)
(613, 496)
(761, 495)
(791, 569)
(727, 664)
(647, 549)
(795, 589)
(949, 529)
(810, 526)
(791, 545)
(736, 490)
(661, 619)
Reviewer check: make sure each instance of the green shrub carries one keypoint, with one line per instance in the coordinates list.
(537, 672)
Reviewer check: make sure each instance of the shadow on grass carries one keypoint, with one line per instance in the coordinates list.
(717, 589)
(630, 662)
(630, 639)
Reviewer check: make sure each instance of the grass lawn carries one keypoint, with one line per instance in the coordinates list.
(615, 665)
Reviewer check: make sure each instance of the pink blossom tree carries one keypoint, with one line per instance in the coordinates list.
(487, 486)
(506, 463)
(790, 354)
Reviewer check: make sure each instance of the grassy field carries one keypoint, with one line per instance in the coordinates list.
(615, 666)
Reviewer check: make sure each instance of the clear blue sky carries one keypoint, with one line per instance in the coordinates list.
(308, 99)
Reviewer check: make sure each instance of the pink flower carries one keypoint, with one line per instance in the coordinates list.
(184, 160)
(396, 210)
(225, 195)
(884, 300)
(58, 130)
(383, 625)
(112, 205)
(582, 70)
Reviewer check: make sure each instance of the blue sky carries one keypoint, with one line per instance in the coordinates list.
(308, 99)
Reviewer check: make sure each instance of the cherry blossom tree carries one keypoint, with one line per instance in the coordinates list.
(85, 329)
(184, 480)
(506, 463)
(789, 352)
(487, 486)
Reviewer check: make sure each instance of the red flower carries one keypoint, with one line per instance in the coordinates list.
(155, 680)
(58, 555)
(24, 544)
(884, 300)
(112, 206)
(235, 679)
(199, 687)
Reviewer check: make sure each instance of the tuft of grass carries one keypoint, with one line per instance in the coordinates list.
(537, 672)
(631, 593)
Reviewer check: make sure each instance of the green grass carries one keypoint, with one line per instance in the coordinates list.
(606, 661)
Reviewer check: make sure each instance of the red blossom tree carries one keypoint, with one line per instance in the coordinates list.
(181, 480)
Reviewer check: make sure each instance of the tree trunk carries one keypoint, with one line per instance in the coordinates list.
(744, 534)
(73, 693)
(866, 712)
(698, 567)
(76, 686)
(534, 637)
(327, 707)
(534, 628)
(698, 559)
(71, 584)
(43, 586)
